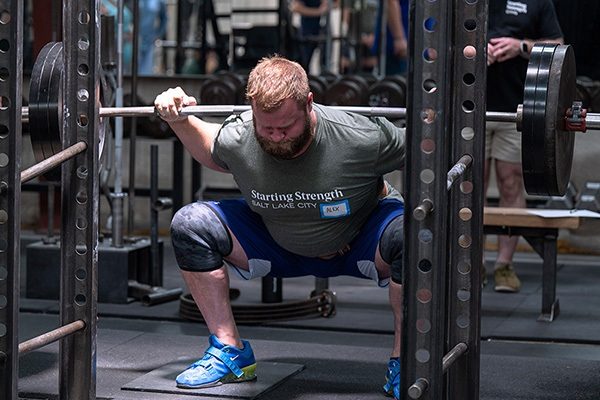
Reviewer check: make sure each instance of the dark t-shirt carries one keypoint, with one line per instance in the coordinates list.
(522, 19)
(579, 21)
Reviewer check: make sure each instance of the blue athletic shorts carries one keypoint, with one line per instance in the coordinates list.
(267, 258)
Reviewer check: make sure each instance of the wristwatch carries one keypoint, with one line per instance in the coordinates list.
(524, 48)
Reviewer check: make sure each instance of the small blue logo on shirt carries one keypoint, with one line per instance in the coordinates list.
(335, 210)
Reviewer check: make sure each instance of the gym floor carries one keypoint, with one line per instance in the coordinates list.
(141, 348)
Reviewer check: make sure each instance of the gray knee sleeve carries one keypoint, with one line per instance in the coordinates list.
(200, 238)
(391, 245)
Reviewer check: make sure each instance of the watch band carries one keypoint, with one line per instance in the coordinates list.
(524, 47)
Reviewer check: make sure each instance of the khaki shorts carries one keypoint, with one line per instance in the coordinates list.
(503, 142)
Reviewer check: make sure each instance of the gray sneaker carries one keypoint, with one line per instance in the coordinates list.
(505, 278)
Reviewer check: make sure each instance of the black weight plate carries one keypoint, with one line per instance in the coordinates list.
(344, 93)
(359, 79)
(363, 85)
(46, 106)
(240, 82)
(399, 79)
(318, 86)
(535, 90)
(104, 129)
(370, 78)
(547, 149)
(45, 103)
(386, 94)
(330, 77)
(218, 89)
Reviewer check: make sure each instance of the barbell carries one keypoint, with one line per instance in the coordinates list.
(547, 118)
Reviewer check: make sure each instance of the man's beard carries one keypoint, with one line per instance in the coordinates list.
(287, 148)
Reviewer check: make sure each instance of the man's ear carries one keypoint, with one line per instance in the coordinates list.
(309, 102)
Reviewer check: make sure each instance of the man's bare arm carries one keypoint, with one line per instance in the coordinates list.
(196, 134)
(397, 28)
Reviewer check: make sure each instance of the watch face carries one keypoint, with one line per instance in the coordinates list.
(524, 47)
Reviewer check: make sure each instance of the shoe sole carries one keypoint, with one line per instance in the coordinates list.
(505, 289)
(249, 375)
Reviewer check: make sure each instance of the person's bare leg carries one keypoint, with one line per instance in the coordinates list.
(486, 177)
(486, 181)
(510, 184)
(210, 291)
(395, 296)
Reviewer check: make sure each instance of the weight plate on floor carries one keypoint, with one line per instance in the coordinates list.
(547, 148)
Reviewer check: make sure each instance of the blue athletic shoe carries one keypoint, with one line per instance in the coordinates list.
(392, 379)
(220, 364)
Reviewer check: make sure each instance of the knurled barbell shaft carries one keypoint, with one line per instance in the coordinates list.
(225, 110)
(592, 120)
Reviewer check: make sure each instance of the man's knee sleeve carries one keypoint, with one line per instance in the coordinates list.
(390, 246)
(200, 238)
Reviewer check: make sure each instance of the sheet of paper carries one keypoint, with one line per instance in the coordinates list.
(564, 213)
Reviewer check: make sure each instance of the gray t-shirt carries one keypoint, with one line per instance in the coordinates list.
(314, 204)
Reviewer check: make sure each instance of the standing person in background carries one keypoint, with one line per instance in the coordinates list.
(513, 29)
(310, 12)
(153, 26)
(579, 22)
(396, 61)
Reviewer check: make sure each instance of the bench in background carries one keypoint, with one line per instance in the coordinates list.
(541, 233)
